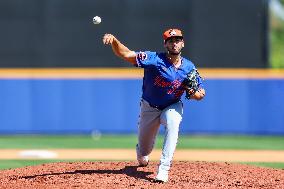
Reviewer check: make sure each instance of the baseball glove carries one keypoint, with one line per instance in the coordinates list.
(191, 83)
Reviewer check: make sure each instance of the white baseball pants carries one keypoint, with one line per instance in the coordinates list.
(149, 123)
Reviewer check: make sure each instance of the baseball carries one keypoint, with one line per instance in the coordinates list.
(97, 20)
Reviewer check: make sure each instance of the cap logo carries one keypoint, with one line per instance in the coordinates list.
(173, 32)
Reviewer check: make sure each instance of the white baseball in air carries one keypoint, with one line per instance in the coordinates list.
(97, 20)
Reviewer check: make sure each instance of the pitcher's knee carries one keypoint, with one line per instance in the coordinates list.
(171, 119)
(172, 123)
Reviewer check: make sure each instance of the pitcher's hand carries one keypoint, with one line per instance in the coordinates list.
(108, 39)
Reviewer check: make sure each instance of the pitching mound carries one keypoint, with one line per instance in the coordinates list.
(128, 175)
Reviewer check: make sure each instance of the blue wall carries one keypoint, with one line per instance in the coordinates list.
(243, 106)
(238, 106)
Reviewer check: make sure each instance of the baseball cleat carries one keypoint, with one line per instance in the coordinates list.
(142, 160)
(162, 176)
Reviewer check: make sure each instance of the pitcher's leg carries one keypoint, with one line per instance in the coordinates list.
(147, 135)
(171, 118)
(149, 123)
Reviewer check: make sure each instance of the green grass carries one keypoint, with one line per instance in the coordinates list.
(276, 165)
(67, 141)
(10, 164)
(14, 163)
(129, 141)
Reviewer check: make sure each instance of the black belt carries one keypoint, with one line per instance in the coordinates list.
(157, 107)
(161, 107)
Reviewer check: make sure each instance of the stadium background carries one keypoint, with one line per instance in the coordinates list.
(56, 76)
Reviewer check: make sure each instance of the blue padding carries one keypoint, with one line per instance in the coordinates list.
(239, 106)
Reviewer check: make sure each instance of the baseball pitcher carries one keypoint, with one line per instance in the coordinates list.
(167, 76)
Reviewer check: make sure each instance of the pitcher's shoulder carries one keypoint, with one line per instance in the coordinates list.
(188, 63)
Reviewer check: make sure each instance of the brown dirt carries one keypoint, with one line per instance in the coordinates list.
(117, 175)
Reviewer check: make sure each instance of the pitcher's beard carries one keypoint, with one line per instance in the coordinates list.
(174, 53)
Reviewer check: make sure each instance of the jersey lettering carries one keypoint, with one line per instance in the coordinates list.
(173, 86)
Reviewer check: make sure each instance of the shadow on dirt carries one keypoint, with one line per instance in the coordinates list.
(127, 170)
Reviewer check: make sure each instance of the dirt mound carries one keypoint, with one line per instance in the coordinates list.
(128, 175)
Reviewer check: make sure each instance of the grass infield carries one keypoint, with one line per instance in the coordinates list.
(129, 142)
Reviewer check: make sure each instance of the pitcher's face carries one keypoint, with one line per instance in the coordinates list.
(174, 45)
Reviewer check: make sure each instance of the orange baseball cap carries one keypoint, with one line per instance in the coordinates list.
(172, 33)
